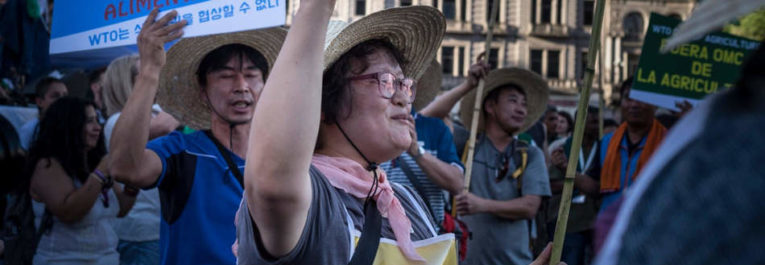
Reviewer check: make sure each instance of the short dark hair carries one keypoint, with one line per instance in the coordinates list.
(626, 84)
(335, 92)
(44, 84)
(494, 94)
(218, 58)
(95, 75)
(610, 122)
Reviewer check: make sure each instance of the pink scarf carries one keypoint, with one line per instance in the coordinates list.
(351, 177)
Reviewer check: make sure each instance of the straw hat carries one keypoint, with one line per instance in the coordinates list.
(428, 86)
(178, 86)
(532, 84)
(416, 31)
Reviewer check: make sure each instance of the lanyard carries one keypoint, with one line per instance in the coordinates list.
(584, 166)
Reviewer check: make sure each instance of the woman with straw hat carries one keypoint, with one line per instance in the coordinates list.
(506, 188)
(307, 203)
(210, 84)
(312, 180)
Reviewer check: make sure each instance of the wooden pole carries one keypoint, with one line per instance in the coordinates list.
(478, 99)
(601, 94)
(573, 158)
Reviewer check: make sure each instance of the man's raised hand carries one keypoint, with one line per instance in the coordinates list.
(154, 34)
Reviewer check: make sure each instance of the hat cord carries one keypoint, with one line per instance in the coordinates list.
(231, 124)
(371, 167)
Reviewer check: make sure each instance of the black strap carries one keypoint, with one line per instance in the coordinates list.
(366, 249)
(416, 182)
(227, 156)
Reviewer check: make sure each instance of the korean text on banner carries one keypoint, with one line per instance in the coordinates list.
(689, 72)
(82, 25)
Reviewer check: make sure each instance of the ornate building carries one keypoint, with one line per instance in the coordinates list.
(550, 37)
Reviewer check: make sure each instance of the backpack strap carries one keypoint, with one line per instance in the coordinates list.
(227, 156)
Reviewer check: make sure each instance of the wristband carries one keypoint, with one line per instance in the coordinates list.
(106, 182)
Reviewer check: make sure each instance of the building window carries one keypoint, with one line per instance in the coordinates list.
(450, 9)
(361, 7)
(463, 10)
(435, 3)
(489, 3)
(553, 64)
(494, 58)
(460, 61)
(287, 7)
(406, 2)
(589, 12)
(546, 11)
(533, 11)
(560, 12)
(633, 27)
(536, 61)
(447, 60)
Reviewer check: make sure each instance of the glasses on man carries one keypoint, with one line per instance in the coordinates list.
(388, 84)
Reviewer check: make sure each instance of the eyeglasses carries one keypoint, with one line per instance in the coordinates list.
(388, 84)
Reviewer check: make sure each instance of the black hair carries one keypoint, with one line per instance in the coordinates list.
(218, 58)
(624, 86)
(494, 95)
(335, 93)
(44, 84)
(610, 122)
(60, 137)
(95, 75)
(12, 157)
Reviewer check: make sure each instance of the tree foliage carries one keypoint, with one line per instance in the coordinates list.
(750, 26)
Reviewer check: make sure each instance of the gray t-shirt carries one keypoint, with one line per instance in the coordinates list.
(326, 237)
(498, 240)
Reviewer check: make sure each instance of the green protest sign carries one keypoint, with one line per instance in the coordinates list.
(689, 72)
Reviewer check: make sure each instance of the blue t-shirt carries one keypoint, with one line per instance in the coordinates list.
(628, 166)
(199, 197)
(436, 139)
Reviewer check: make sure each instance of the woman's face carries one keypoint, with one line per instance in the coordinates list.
(562, 127)
(92, 130)
(379, 126)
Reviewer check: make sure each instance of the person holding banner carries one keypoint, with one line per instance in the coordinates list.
(209, 83)
(509, 175)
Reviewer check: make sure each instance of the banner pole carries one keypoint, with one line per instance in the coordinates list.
(584, 96)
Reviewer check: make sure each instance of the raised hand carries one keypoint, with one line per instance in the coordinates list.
(477, 71)
(154, 34)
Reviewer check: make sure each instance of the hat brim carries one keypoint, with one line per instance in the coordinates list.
(416, 31)
(179, 91)
(536, 90)
(428, 86)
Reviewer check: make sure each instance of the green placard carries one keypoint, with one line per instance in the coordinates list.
(691, 71)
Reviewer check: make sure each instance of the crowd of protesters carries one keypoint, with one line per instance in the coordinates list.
(351, 156)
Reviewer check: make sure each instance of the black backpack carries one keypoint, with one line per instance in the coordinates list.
(19, 233)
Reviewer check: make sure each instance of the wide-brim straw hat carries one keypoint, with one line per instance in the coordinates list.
(416, 31)
(428, 86)
(180, 92)
(536, 90)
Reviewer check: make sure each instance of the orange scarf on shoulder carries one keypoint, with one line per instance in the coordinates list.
(610, 176)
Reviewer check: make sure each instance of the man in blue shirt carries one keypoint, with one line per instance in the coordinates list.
(211, 84)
